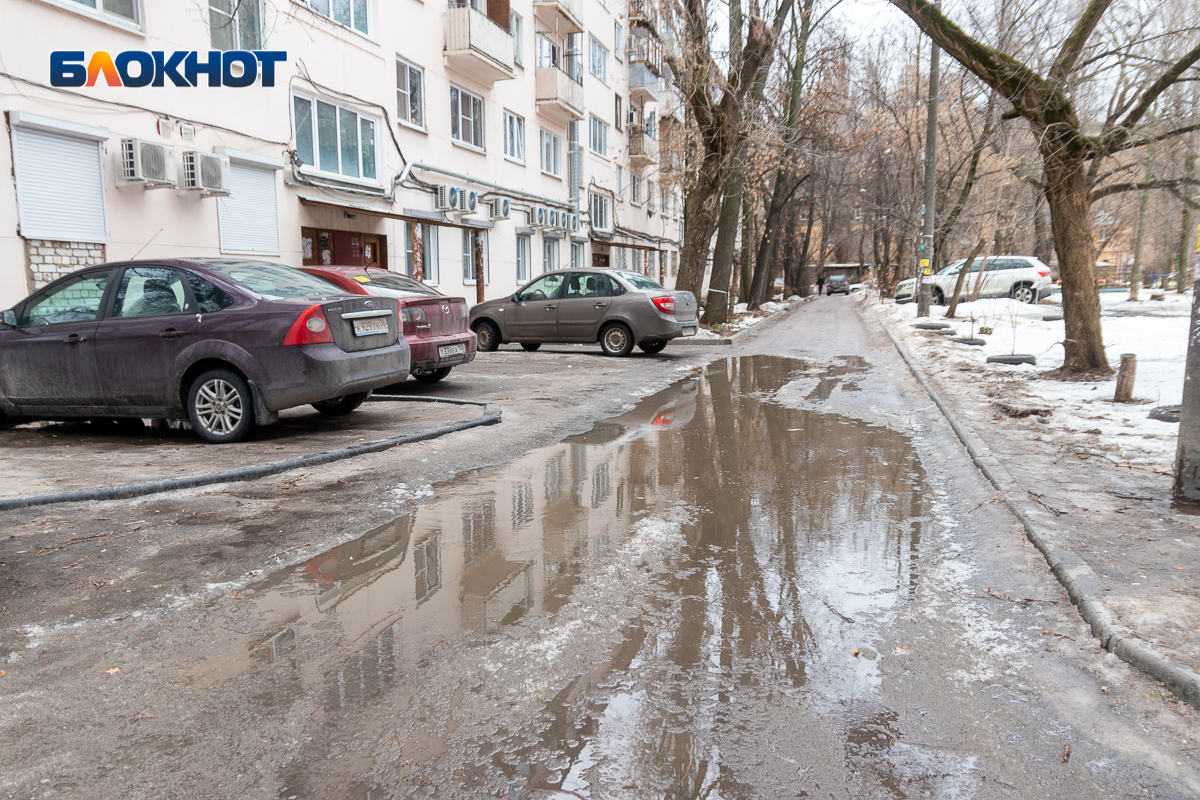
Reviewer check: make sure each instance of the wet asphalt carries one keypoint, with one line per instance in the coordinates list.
(779, 576)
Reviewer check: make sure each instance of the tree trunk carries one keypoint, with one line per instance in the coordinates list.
(747, 242)
(1069, 198)
(1185, 250)
(1135, 272)
(962, 278)
(1043, 242)
(717, 306)
(700, 211)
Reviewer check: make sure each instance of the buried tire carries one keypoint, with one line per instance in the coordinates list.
(616, 340)
(220, 407)
(341, 406)
(489, 335)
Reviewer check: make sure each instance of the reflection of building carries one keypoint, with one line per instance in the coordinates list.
(555, 109)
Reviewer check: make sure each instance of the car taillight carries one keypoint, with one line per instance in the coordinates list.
(406, 315)
(310, 327)
(664, 304)
(418, 314)
(664, 417)
(463, 310)
(1043, 272)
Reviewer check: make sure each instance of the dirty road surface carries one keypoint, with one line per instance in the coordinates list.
(779, 576)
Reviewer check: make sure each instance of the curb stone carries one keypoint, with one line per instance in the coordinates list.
(743, 333)
(1082, 583)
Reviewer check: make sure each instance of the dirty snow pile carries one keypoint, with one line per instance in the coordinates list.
(741, 319)
(1154, 330)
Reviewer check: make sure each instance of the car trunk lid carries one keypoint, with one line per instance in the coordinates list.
(434, 316)
(362, 323)
(685, 305)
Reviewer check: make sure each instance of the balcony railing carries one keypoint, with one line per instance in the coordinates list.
(569, 13)
(644, 14)
(644, 85)
(559, 95)
(476, 45)
(643, 147)
(646, 50)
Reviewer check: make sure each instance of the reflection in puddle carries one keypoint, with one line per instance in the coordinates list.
(801, 542)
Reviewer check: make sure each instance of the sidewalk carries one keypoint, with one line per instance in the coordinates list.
(1094, 496)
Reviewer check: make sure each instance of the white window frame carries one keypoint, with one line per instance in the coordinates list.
(597, 60)
(517, 28)
(524, 256)
(403, 109)
(550, 153)
(314, 6)
(429, 250)
(635, 188)
(481, 147)
(234, 22)
(618, 39)
(514, 137)
(649, 195)
(96, 11)
(314, 167)
(550, 253)
(576, 255)
(603, 204)
(595, 126)
(468, 256)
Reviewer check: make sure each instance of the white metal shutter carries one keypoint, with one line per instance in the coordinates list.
(248, 216)
(60, 187)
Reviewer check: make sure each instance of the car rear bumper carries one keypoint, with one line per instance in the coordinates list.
(297, 376)
(664, 327)
(426, 356)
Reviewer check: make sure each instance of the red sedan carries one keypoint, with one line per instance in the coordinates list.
(435, 326)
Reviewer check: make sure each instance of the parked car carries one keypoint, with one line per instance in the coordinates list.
(1023, 278)
(434, 325)
(224, 343)
(612, 307)
(837, 283)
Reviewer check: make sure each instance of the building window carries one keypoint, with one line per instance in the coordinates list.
(549, 255)
(348, 13)
(621, 262)
(573, 60)
(466, 117)
(123, 9)
(427, 563)
(334, 139)
(514, 27)
(599, 138)
(635, 188)
(551, 150)
(617, 112)
(664, 196)
(575, 160)
(649, 195)
(234, 24)
(576, 255)
(514, 136)
(429, 251)
(600, 210)
(547, 52)
(637, 260)
(617, 37)
(248, 217)
(468, 257)
(524, 251)
(410, 93)
(597, 59)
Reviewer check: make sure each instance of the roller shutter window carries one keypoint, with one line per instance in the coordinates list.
(249, 216)
(60, 187)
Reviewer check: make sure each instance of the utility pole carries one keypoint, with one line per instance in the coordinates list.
(925, 252)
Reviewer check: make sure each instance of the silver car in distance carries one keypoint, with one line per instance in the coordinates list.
(615, 308)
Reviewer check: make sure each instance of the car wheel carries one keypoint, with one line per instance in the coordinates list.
(530, 347)
(433, 376)
(616, 340)
(341, 406)
(1023, 294)
(653, 346)
(220, 407)
(938, 297)
(489, 335)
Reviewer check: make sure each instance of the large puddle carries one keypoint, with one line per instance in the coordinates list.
(637, 611)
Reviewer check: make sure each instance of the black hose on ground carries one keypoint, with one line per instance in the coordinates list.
(491, 416)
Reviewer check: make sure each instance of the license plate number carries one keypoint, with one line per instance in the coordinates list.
(689, 331)
(445, 351)
(370, 327)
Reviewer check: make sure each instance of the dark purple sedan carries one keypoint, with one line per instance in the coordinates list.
(224, 343)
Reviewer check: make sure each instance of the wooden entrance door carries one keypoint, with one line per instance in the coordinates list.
(600, 260)
(372, 252)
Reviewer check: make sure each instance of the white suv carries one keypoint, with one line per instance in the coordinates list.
(1023, 278)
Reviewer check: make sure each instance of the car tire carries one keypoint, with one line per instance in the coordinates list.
(939, 299)
(1024, 293)
(530, 347)
(488, 334)
(220, 407)
(616, 340)
(653, 346)
(341, 406)
(433, 376)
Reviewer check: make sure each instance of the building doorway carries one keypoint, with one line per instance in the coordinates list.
(600, 260)
(322, 247)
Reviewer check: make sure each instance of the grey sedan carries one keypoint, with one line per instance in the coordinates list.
(615, 308)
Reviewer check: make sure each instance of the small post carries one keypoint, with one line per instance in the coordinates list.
(477, 258)
(1125, 378)
(1187, 453)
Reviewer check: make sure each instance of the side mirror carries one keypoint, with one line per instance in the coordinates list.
(516, 298)
(9, 318)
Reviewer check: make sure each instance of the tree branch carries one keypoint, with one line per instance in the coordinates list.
(1137, 186)
(1116, 138)
(1187, 201)
(1150, 140)
(1073, 46)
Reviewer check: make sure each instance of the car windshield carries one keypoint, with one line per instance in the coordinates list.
(389, 284)
(273, 281)
(839, 278)
(640, 281)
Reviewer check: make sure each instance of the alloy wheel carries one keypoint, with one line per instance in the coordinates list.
(219, 406)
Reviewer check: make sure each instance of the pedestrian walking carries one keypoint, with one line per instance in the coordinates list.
(820, 284)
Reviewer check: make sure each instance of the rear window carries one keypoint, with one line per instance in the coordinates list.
(273, 281)
(389, 284)
(640, 281)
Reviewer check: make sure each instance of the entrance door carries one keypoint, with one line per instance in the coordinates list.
(323, 247)
(600, 260)
(372, 252)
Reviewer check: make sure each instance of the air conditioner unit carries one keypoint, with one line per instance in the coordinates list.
(448, 198)
(206, 173)
(148, 163)
(500, 208)
(537, 217)
(575, 223)
(553, 221)
(467, 201)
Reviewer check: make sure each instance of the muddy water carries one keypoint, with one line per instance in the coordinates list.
(644, 610)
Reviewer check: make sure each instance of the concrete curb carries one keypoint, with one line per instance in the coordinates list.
(1082, 583)
(743, 333)
(490, 416)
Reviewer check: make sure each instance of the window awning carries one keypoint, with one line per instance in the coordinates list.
(473, 225)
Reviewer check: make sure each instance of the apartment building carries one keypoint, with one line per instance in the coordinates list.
(443, 139)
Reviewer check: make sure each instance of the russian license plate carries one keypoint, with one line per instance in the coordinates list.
(447, 350)
(689, 331)
(370, 326)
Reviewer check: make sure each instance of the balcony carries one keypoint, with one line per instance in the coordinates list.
(646, 51)
(643, 147)
(644, 85)
(559, 96)
(643, 14)
(561, 16)
(476, 46)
